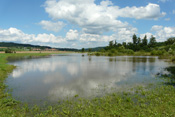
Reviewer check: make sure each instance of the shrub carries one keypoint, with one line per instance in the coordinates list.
(121, 48)
(102, 50)
(112, 50)
(171, 51)
(158, 52)
(8, 50)
(97, 54)
(110, 54)
(128, 51)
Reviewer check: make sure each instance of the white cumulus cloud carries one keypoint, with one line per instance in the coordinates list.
(163, 33)
(13, 34)
(160, 32)
(151, 11)
(156, 28)
(81, 39)
(125, 34)
(16, 35)
(148, 35)
(48, 38)
(96, 19)
(52, 26)
(72, 35)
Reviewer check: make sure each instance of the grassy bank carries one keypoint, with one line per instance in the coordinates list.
(116, 53)
(154, 100)
(168, 56)
(9, 106)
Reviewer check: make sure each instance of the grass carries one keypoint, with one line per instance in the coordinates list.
(153, 100)
(141, 102)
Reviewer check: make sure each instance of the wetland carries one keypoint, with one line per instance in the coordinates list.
(63, 76)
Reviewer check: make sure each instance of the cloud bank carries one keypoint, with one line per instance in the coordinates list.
(77, 39)
(97, 19)
(52, 26)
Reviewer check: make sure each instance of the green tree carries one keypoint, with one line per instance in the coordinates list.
(124, 44)
(119, 44)
(130, 45)
(111, 43)
(152, 42)
(115, 43)
(82, 50)
(170, 41)
(134, 38)
(145, 41)
(139, 40)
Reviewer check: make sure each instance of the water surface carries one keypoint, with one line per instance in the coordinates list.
(60, 76)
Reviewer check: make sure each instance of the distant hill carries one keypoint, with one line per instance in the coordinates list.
(94, 49)
(18, 45)
(68, 49)
(11, 44)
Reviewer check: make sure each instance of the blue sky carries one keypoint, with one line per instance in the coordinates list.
(79, 23)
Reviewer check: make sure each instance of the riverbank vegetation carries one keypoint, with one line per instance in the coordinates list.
(140, 47)
(152, 100)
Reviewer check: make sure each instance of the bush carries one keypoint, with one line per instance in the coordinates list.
(128, 51)
(112, 50)
(8, 50)
(97, 54)
(102, 50)
(158, 52)
(110, 54)
(121, 48)
(171, 51)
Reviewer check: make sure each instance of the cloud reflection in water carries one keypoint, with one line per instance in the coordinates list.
(60, 76)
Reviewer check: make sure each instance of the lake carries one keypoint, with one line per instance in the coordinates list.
(62, 76)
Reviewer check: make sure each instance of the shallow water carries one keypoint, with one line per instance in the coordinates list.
(60, 76)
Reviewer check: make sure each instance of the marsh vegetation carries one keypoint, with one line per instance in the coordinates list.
(140, 47)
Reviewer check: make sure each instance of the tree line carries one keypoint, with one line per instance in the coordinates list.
(144, 44)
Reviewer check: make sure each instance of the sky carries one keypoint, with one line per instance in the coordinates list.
(84, 23)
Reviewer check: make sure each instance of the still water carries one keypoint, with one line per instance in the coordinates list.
(60, 76)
